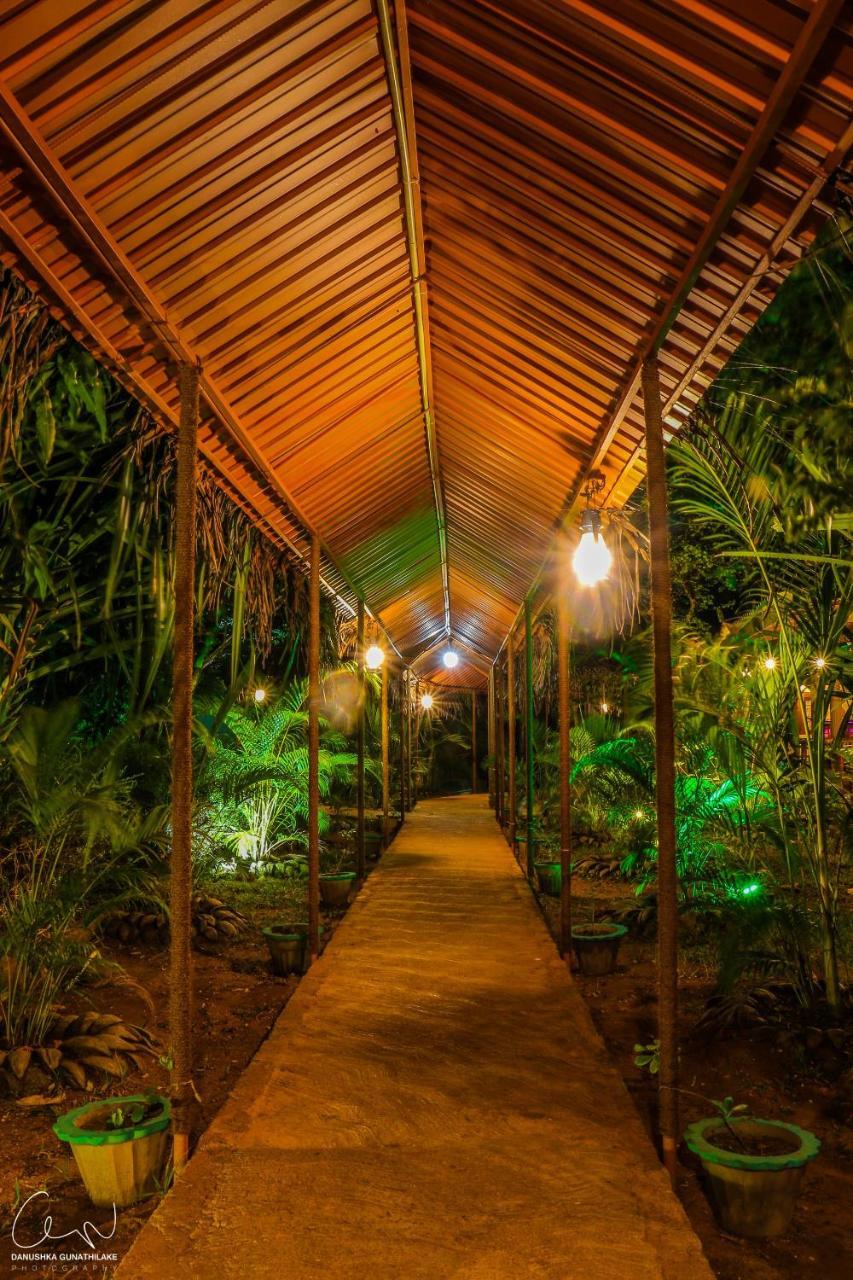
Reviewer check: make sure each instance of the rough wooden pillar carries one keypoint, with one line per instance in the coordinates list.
(490, 724)
(511, 741)
(180, 887)
(386, 780)
(667, 875)
(564, 705)
(414, 731)
(404, 681)
(473, 741)
(528, 737)
(361, 861)
(500, 793)
(314, 752)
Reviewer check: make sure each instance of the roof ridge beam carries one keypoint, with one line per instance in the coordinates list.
(402, 106)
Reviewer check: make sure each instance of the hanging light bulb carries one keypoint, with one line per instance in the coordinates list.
(374, 657)
(427, 701)
(450, 659)
(592, 558)
(260, 694)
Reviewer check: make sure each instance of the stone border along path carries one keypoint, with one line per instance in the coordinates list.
(433, 1102)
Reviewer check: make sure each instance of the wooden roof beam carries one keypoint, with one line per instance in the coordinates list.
(813, 34)
(402, 104)
(40, 162)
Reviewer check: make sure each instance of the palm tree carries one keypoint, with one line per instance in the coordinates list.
(254, 782)
(738, 480)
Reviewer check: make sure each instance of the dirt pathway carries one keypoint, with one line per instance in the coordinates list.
(432, 1103)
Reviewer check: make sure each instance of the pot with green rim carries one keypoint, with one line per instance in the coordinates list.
(550, 878)
(597, 947)
(119, 1145)
(286, 946)
(373, 842)
(754, 1169)
(335, 888)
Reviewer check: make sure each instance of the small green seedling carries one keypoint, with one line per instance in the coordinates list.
(648, 1055)
(728, 1111)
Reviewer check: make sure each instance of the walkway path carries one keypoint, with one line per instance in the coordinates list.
(434, 1102)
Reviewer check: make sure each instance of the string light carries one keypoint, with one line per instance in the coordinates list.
(770, 663)
(638, 814)
(374, 657)
(260, 694)
(427, 701)
(820, 663)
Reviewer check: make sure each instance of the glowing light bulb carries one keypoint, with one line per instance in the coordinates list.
(427, 701)
(374, 657)
(592, 558)
(770, 663)
(820, 663)
(638, 814)
(260, 694)
(450, 659)
(749, 889)
(605, 708)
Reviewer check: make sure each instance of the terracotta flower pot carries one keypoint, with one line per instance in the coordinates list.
(118, 1166)
(597, 947)
(753, 1193)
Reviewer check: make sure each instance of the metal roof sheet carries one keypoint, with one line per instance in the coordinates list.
(588, 182)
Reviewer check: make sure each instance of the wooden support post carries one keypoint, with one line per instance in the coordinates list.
(490, 722)
(404, 681)
(511, 741)
(500, 792)
(386, 780)
(528, 737)
(180, 886)
(314, 751)
(414, 728)
(667, 875)
(410, 794)
(473, 742)
(361, 861)
(564, 705)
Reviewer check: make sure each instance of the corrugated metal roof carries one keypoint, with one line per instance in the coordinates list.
(222, 180)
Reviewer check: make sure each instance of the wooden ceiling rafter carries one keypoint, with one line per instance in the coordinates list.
(814, 32)
(56, 185)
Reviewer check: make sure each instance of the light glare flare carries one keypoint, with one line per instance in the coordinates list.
(592, 559)
(427, 701)
(451, 659)
(374, 657)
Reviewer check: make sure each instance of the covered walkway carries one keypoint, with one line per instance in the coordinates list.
(433, 1102)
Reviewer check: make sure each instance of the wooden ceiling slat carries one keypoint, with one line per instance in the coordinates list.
(592, 182)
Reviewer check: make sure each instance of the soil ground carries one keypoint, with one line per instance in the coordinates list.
(237, 1001)
(754, 1066)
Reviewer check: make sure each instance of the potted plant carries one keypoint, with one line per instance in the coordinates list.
(286, 944)
(550, 877)
(336, 879)
(336, 887)
(753, 1168)
(119, 1145)
(597, 946)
